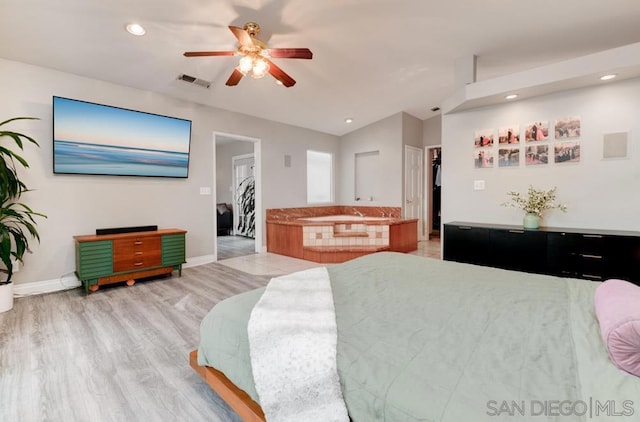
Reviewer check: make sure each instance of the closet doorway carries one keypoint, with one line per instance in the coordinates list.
(238, 211)
(433, 216)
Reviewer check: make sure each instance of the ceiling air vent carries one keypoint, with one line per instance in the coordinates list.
(193, 80)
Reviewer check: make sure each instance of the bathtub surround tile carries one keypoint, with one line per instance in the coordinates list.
(290, 214)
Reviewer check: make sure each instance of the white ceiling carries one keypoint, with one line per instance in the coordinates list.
(372, 58)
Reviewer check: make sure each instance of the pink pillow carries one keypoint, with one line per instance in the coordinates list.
(618, 310)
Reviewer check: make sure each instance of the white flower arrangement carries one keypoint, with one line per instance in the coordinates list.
(535, 202)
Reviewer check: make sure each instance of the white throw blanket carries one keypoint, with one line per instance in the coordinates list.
(292, 342)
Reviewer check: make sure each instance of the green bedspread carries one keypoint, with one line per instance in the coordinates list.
(429, 340)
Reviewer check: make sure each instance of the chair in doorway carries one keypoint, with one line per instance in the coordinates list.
(225, 219)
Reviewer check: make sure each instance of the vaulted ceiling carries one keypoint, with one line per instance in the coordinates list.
(371, 58)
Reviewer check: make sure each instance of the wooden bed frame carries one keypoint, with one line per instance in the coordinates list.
(237, 399)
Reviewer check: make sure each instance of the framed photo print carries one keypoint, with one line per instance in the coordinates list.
(509, 135)
(483, 138)
(508, 157)
(536, 131)
(483, 159)
(537, 155)
(567, 152)
(567, 128)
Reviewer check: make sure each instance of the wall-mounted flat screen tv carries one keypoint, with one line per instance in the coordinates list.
(91, 138)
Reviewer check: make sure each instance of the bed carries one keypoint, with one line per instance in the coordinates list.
(421, 339)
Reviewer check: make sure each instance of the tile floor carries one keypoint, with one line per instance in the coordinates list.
(274, 264)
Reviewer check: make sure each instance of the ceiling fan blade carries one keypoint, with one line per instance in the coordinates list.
(290, 53)
(208, 53)
(243, 36)
(280, 75)
(234, 78)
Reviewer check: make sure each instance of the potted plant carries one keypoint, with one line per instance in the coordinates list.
(534, 204)
(17, 223)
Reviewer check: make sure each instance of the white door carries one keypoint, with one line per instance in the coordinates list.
(413, 185)
(243, 171)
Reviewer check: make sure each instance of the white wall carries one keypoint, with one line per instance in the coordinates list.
(600, 194)
(385, 136)
(224, 173)
(77, 205)
(432, 131)
(412, 129)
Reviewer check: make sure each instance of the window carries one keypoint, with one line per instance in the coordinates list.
(319, 177)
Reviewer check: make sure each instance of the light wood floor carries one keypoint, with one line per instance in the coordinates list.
(120, 354)
(234, 246)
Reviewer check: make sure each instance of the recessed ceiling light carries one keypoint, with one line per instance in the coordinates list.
(511, 96)
(607, 77)
(348, 120)
(135, 29)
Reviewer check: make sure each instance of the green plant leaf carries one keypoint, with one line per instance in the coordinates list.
(17, 222)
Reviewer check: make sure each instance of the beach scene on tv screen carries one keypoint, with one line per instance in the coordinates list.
(97, 139)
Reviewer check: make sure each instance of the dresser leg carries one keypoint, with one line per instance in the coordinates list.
(130, 282)
(94, 288)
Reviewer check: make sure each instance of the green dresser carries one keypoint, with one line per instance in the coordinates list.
(113, 258)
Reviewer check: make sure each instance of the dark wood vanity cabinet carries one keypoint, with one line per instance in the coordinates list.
(588, 254)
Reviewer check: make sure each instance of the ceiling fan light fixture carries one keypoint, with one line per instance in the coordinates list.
(246, 64)
(260, 68)
(255, 56)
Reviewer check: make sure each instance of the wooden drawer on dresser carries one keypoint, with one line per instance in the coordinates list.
(135, 253)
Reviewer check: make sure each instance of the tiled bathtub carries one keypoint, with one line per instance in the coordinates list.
(301, 233)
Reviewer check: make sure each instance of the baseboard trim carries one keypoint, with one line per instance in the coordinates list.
(199, 260)
(70, 281)
(46, 286)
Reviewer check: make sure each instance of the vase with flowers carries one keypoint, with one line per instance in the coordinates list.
(534, 204)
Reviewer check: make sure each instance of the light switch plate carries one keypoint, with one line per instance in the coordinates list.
(205, 190)
(478, 185)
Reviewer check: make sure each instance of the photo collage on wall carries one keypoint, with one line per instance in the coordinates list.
(536, 148)
(483, 141)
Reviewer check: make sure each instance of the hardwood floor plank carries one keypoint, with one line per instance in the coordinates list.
(120, 354)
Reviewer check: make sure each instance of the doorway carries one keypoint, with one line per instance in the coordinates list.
(238, 209)
(433, 215)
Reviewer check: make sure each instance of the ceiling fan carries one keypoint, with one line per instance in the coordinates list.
(255, 59)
